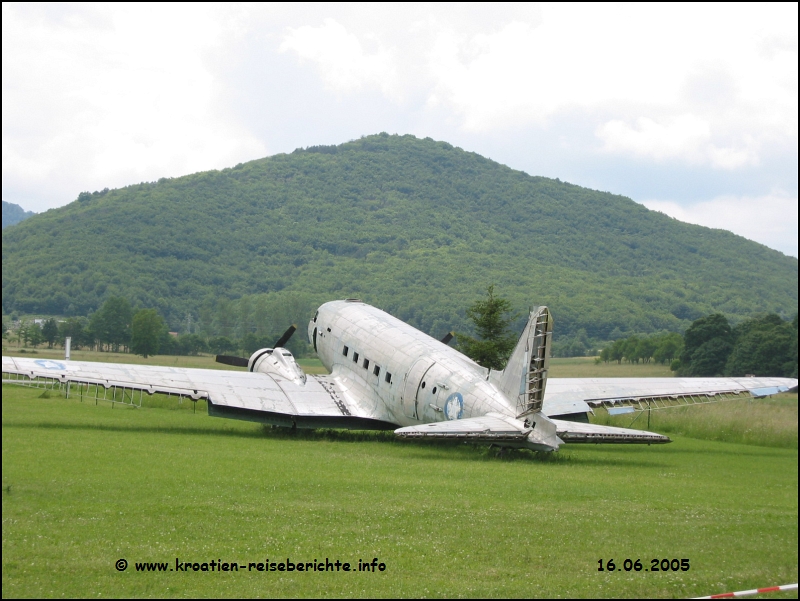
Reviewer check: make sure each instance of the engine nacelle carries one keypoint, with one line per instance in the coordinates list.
(277, 362)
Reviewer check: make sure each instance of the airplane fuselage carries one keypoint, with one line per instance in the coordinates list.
(413, 377)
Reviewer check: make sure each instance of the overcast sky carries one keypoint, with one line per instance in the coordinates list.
(689, 109)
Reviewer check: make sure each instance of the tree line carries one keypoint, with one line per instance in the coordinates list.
(760, 346)
(226, 327)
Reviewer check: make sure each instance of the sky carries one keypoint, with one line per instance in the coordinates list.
(688, 109)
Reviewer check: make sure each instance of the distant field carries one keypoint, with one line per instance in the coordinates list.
(585, 367)
(574, 367)
(86, 485)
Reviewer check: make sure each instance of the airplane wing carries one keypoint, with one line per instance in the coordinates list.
(565, 396)
(546, 434)
(321, 403)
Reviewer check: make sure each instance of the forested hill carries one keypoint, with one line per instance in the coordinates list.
(416, 227)
(13, 214)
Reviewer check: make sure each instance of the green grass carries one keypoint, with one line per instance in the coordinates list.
(585, 367)
(770, 422)
(85, 485)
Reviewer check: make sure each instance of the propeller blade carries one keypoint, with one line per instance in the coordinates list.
(231, 360)
(447, 338)
(286, 335)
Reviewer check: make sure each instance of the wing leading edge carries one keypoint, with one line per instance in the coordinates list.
(259, 397)
(567, 396)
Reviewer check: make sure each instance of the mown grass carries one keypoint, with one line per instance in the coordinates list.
(85, 485)
(585, 367)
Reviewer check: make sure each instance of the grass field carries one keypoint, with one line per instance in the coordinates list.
(85, 486)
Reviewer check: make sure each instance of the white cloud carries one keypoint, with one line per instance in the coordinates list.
(770, 219)
(685, 137)
(344, 64)
(698, 84)
(113, 96)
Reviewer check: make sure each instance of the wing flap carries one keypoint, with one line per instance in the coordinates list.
(576, 432)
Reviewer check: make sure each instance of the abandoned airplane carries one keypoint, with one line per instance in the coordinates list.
(385, 374)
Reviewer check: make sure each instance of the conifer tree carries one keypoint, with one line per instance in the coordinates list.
(492, 318)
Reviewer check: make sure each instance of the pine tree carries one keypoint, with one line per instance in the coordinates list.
(496, 341)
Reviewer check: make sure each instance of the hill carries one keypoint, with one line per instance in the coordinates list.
(414, 226)
(13, 214)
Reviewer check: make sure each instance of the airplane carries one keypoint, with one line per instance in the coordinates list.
(386, 374)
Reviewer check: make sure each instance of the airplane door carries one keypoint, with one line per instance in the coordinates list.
(413, 380)
(436, 401)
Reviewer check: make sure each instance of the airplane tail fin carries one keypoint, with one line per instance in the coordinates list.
(525, 375)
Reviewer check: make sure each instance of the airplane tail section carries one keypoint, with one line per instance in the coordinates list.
(525, 375)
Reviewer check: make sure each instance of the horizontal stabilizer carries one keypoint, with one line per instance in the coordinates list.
(580, 432)
(491, 427)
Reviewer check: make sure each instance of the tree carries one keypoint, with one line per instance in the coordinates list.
(492, 322)
(669, 346)
(765, 346)
(111, 324)
(762, 354)
(50, 332)
(75, 328)
(710, 357)
(221, 345)
(146, 331)
(35, 335)
(706, 346)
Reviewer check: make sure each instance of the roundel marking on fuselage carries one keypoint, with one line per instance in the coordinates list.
(454, 406)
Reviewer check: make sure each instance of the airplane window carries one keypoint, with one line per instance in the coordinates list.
(329, 329)
(434, 390)
(345, 351)
(315, 316)
(423, 385)
(366, 364)
(388, 378)
(377, 371)
(355, 357)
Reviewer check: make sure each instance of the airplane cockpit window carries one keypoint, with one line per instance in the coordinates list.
(315, 316)
(345, 350)
(287, 354)
(433, 391)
